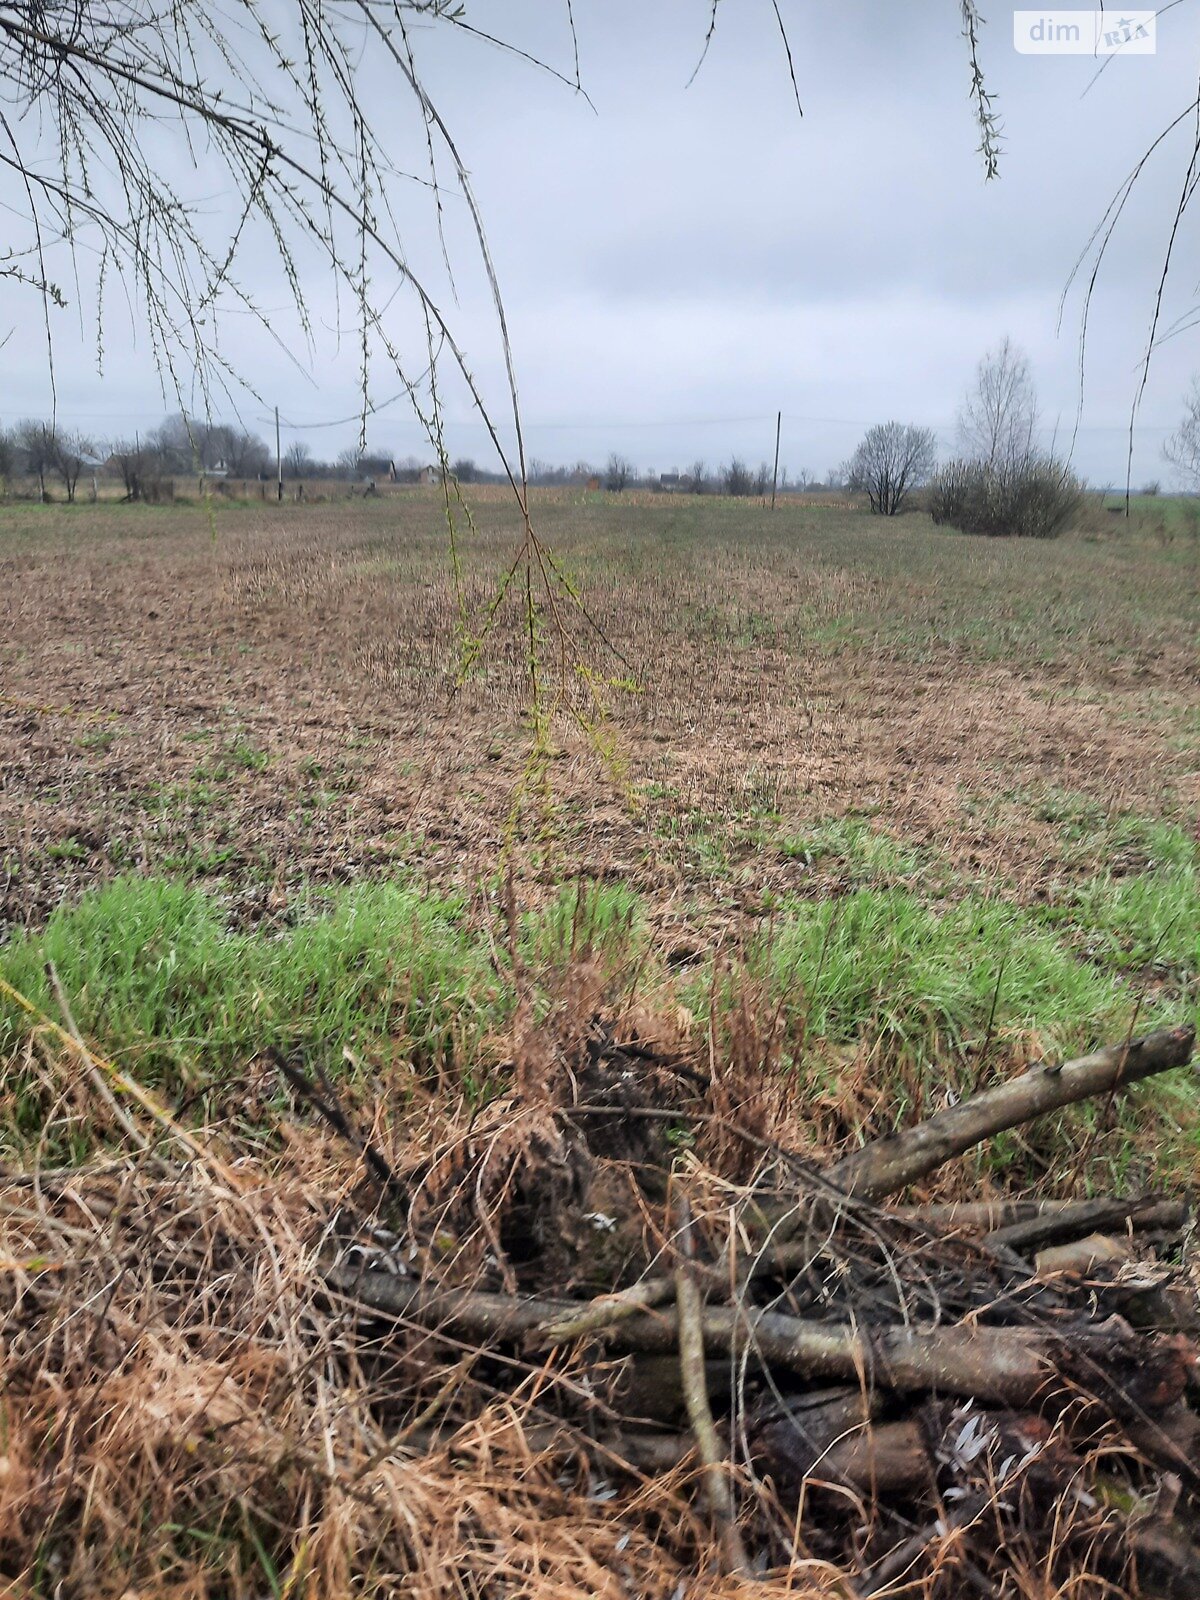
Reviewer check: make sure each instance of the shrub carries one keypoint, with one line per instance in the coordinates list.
(949, 492)
(1033, 499)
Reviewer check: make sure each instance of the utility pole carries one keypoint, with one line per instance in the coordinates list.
(775, 474)
(278, 459)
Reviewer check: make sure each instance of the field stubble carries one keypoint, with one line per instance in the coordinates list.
(268, 698)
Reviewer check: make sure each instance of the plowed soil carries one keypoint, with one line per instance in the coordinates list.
(269, 697)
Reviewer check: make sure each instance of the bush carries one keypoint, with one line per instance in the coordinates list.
(1033, 499)
(949, 492)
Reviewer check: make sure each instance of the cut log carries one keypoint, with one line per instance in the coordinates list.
(791, 1439)
(892, 1163)
(650, 1389)
(1167, 1562)
(892, 1457)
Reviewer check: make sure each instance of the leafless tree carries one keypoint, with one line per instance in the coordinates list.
(617, 473)
(298, 459)
(35, 444)
(736, 478)
(314, 154)
(998, 418)
(69, 454)
(893, 459)
(1182, 449)
(697, 477)
(133, 459)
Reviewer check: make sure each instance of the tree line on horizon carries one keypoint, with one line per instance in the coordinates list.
(55, 456)
(1000, 481)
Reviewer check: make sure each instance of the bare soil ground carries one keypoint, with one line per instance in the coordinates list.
(267, 697)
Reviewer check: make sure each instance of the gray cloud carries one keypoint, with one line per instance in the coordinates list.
(688, 260)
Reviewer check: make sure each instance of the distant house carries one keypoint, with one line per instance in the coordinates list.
(669, 482)
(423, 475)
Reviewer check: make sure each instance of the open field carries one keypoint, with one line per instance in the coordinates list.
(882, 817)
(265, 698)
(934, 783)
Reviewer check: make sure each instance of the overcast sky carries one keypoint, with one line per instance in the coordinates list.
(683, 261)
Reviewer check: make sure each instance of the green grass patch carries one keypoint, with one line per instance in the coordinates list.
(882, 964)
(1148, 922)
(152, 969)
(925, 990)
(162, 983)
(854, 845)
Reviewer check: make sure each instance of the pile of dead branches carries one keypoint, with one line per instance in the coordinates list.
(606, 1335)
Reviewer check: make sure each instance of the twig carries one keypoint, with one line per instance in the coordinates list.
(1088, 1216)
(329, 1107)
(715, 1466)
(607, 1310)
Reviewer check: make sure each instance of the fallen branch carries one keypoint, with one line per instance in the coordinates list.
(893, 1162)
(1088, 1216)
(1009, 1366)
(978, 1216)
(608, 1309)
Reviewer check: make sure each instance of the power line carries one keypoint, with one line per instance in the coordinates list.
(586, 424)
(646, 423)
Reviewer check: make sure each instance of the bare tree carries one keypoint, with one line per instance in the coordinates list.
(87, 92)
(35, 443)
(1182, 449)
(298, 459)
(736, 479)
(697, 478)
(69, 454)
(132, 459)
(618, 472)
(893, 459)
(998, 418)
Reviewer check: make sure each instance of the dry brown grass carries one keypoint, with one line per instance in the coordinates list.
(188, 1411)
